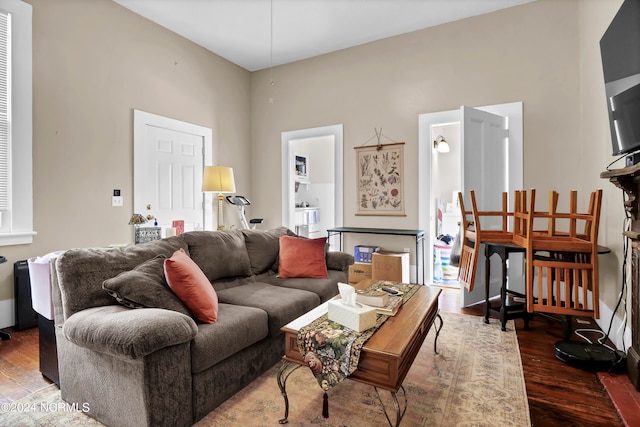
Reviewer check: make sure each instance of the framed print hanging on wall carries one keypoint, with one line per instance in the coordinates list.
(380, 179)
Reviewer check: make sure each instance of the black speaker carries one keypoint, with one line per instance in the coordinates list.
(26, 317)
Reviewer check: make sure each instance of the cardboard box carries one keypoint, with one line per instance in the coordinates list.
(359, 318)
(358, 272)
(362, 253)
(392, 266)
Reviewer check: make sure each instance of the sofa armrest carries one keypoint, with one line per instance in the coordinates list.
(339, 261)
(126, 332)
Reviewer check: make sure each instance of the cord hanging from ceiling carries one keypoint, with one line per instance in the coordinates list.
(271, 82)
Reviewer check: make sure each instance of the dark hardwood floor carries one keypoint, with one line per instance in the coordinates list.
(559, 395)
(19, 366)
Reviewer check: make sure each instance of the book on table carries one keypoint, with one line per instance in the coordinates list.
(372, 297)
(392, 307)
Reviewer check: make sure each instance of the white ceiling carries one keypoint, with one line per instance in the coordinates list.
(241, 30)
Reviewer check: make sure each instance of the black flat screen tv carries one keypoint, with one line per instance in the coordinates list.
(620, 52)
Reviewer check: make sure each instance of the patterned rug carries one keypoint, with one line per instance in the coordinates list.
(475, 380)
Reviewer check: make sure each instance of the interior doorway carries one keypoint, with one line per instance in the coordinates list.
(169, 156)
(481, 166)
(321, 149)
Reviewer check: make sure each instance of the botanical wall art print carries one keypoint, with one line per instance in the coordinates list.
(380, 179)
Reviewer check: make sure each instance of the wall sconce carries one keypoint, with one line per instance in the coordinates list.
(441, 144)
(219, 179)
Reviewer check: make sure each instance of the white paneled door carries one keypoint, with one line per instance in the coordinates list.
(485, 169)
(169, 157)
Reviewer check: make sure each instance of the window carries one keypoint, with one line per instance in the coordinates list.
(16, 191)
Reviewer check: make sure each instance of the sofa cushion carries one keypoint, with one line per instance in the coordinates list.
(302, 257)
(123, 332)
(145, 287)
(324, 288)
(219, 254)
(191, 285)
(263, 247)
(238, 327)
(281, 304)
(81, 272)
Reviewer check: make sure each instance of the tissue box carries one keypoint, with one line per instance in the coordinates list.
(359, 318)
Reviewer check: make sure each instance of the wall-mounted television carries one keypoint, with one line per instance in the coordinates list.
(620, 51)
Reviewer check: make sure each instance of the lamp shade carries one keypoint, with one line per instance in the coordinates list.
(137, 219)
(443, 147)
(441, 144)
(218, 179)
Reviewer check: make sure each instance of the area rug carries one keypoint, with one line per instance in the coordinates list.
(475, 379)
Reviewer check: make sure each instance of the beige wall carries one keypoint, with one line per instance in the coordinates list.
(544, 54)
(527, 53)
(93, 63)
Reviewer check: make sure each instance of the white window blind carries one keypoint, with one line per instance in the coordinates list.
(5, 109)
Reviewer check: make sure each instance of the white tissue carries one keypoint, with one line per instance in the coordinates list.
(347, 312)
(347, 294)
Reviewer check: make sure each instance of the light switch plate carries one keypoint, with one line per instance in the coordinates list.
(117, 201)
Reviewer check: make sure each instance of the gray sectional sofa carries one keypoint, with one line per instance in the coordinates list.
(132, 353)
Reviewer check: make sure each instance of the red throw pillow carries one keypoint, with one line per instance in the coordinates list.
(300, 257)
(190, 284)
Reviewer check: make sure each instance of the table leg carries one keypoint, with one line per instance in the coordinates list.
(487, 281)
(286, 369)
(399, 411)
(503, 290)
(417, 277)
(424, 271)
(438, 328)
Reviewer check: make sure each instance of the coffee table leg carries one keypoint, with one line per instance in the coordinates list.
(286, 369)
(438, 328)
(399, 412)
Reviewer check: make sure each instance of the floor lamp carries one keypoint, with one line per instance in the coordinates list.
(219, 179)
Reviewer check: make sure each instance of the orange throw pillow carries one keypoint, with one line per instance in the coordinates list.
(190, 284)
(300, 257)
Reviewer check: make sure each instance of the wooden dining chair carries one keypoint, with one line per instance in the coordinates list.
(561, 263)
(473, 234)
(469, 249)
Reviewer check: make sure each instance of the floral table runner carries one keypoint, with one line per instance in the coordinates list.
(332, 350)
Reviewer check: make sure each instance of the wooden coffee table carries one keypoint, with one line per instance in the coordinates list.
(386, 357)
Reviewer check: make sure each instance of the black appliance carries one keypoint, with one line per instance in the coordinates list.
(26, 317)
(620, 52)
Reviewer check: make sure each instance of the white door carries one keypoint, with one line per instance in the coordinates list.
(485, 169)
(169, 157)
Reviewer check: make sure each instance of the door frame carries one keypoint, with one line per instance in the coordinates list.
(288, 190)
(142, 119)
(426, 216)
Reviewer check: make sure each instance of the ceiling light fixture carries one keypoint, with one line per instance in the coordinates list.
(441, 144)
